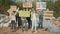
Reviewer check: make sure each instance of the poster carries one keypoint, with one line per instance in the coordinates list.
(40, 5)
(24, 13)
(27, 4)
(13, 8)
(47, 14)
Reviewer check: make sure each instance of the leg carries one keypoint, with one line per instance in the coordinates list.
(35, 25)
(32, 24)
(11, 24)
(19, 22)
(14, 26)
(41, 21)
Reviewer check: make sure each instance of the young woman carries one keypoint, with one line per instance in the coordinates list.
(34, 21)
(13, 21)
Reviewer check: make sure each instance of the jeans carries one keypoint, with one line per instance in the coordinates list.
(41, 21)
(29, 21)
(13, 24)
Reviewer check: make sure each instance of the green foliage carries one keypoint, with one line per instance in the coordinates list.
(34, 4)
(4, 4)
(57, 4)
(20, 5)
(54, 7)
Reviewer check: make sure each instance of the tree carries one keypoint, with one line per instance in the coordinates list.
(57, 4)
(34, 4)
(20, 4)
(4, 4)
(53, 7)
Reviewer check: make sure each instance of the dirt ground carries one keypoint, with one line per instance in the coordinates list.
(8, 30)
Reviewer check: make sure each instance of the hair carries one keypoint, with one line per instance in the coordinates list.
(14, 11)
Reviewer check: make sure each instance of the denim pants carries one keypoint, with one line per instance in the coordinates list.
(41, 21)
(13, 24)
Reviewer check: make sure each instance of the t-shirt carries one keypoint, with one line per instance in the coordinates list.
(13, 17)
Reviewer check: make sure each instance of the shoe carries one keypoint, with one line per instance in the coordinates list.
(13, 31)
(35, 32)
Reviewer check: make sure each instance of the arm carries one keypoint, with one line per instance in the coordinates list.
(16, 11)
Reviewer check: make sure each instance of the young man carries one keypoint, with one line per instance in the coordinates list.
(41, 19)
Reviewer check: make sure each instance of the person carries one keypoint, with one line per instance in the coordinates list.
(19, 22)
(13, 20)
(34, 21)
(41, 19)
(18, 19)
(24, 23)
(37, 18)
(29, 20)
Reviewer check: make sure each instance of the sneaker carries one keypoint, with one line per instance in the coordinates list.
(35, 32)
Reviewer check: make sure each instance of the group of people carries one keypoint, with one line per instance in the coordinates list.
(31, 22)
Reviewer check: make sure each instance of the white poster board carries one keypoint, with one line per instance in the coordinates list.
(40, 5)
(13, 7)
(27, 4)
